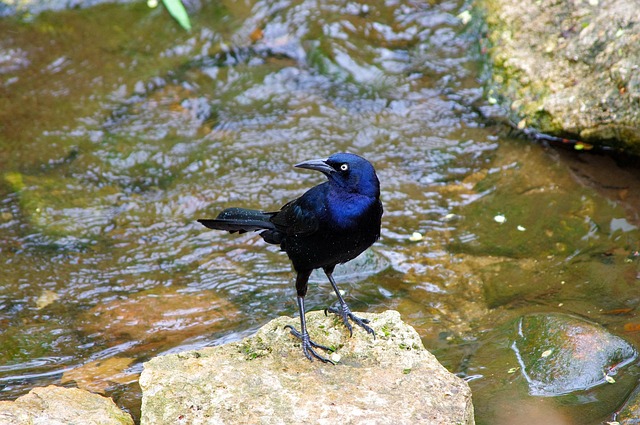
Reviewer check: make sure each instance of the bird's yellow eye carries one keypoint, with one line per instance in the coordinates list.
(344, 167)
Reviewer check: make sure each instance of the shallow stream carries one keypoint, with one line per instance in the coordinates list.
(118, 130)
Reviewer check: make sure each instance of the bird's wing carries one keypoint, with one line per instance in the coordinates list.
(302, 216)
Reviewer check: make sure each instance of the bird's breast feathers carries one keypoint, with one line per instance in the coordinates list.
(348, 211)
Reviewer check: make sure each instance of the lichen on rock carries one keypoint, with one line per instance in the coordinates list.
(266, 379)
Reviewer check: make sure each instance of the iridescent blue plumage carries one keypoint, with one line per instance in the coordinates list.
(330, 224)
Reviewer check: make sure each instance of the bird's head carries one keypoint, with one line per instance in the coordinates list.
(347, 171)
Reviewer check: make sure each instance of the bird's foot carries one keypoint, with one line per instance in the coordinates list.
(308, 346)
(346, 314)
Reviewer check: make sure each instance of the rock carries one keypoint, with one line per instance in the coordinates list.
(531, 211)
(159, 317)
(57, 406)
(61, 208)
(582, 285)
(33, 339)
(266, 379)
(559, 353)
(630, 411)
(98, 375)
(366, 264)
(568, 67)
(535, 369)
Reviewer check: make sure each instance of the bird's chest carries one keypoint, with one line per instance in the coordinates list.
(347, 225)
(348, 212)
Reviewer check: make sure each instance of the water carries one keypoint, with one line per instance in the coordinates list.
(119, 130)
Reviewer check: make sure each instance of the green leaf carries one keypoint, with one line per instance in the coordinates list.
(179, 13)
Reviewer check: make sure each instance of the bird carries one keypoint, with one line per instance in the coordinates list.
(330, 224)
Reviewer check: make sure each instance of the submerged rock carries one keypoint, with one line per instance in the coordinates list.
(58, 405)
(568, 67)
(266, 379)
(560, 353)
(366, 264)
(60, 207)
(158, 317)
(543, 367)
(629, 413)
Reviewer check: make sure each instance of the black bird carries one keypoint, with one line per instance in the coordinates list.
(329, 224)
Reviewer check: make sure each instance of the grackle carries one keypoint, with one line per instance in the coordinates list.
(329, 224)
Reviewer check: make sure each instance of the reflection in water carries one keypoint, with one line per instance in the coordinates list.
(103, 180)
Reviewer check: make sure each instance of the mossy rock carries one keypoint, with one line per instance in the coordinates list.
(565, 67)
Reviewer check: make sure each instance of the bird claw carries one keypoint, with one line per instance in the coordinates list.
(308, 346)
(346, 314)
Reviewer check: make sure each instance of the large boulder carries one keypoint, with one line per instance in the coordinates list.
(58, 405)
(266, 379)
(568, 67)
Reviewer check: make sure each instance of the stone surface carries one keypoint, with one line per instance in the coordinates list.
(560, 353)
(62, 406)
(157, 317)
(536, 370)
(629, 413)
(568, 67)
(97, 376)
(266, 379)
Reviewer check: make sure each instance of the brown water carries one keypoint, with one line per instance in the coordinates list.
(118, 130)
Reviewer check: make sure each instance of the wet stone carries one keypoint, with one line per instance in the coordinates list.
(159, 317)
(366, 264)
(629, 414)
(563, 223)
(59, 206)
(99, 375)
(534, 210)
(559, 353)
(508, 366)
(29, 341)
(595, 282)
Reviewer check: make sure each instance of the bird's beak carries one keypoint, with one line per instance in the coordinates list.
(317, 165)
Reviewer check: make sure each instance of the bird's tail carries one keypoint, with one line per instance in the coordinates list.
(240, 220)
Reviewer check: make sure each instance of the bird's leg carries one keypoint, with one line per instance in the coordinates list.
(307, 345)
(344, 311)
